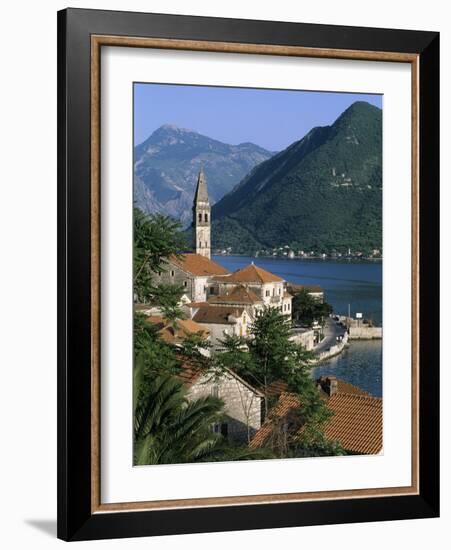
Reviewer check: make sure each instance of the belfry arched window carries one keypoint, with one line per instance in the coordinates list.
(200, 217)
(206, 218)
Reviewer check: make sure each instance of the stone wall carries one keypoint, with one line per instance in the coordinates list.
(333, 350)
(175, 276)
(304, 337)
(365, 333)
(243, 407)
(218, 331)
(194, 287)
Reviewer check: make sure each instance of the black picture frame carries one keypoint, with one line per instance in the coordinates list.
(75, 518)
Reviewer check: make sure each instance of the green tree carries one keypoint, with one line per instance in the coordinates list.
(307, 309)
(308, 438)
(233, 354)
(170, 429)
(273, 356)
(156, 238)
(269, 355)
(155, 356)
(193, 347)
(167, 298)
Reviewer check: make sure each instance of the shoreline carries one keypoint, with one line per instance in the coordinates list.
(307, 258)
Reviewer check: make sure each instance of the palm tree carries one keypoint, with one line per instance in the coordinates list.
(170, 429)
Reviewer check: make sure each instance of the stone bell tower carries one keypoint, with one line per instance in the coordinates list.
(202, 218)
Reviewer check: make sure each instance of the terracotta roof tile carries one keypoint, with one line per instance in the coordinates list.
(198, 265)
(196, 304)
(287, 403)
(217, 314)
(171, 334)
(189, 374)
(253, 274)
(342, 387)
(276, 388)
(356, 423)
(239, 295)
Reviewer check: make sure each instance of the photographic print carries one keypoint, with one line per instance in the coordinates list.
(257, 274)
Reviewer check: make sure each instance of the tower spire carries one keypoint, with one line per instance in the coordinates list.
(201, 194)
(201, 217)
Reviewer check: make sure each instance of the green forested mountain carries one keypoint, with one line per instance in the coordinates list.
(322, 193)
(167, 163)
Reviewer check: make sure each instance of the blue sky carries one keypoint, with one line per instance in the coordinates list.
(270, 118)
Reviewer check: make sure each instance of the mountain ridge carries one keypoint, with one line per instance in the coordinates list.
(322, 192)
(166, 165)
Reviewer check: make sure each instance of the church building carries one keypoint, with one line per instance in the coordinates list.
(222, 301)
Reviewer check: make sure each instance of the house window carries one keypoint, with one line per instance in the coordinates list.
(206, 218)
(200, 244)
(288, 307)
(280, 291)
(172, 273)
(206, 246)
(224, 429)
(215, 390)
(267, 293)
(185, 283)
(216, 428)
(212, 290)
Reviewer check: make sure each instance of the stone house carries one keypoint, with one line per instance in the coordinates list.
(204, 280)
(176, 334)
(239, 296)
(221, 320)
(193, 272)
(242, 402)
(270, 288)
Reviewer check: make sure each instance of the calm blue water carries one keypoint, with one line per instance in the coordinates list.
(360, 364)
(358, 284)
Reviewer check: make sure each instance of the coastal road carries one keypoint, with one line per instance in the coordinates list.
(331, 331)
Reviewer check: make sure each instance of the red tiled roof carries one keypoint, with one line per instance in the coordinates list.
(253, 274)
(342, 387)
(279, 386)
(198, 265)
(217, 314)
(183, 328)
(276, 388)
(189, 374)
(356, 423)
(286, 404)
(196, 304)
(239, 295)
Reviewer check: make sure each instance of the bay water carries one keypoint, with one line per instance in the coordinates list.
(348, 285)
